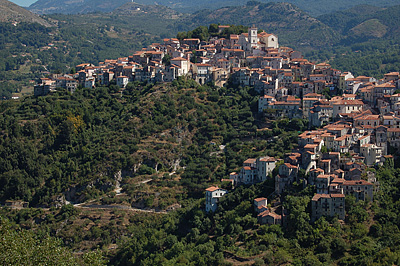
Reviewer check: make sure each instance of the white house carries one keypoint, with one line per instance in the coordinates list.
(268, 40)
(212, 196)
(346, 106)
(202, 73)
(371, 153)
(265, 165)
(182, 63)
(122, 81)
(260, 204)
(90, 82)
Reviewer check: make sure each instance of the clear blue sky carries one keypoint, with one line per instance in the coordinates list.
(23, 2)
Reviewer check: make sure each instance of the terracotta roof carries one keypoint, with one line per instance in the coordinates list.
(337, 196)
(250, 160)
(310, 146)
(318, 196)
(259, 199)
(312, 95)
(386, 85)
(348, 102)
(263, 214)
(203, 65)
(269, 159)
(392, 74)
(368, 117)
(338, 180)
(212, 189)
(364, 137)
(179, 59)
(356, 182)
(288, 165)
(317, 170)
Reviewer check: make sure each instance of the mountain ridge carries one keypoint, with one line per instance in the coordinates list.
(10, 12)
(74, 6)
(364, 21)
(313, 7)
(289, 22)
(133, 8)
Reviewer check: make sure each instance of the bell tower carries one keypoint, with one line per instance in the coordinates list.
(253, 39)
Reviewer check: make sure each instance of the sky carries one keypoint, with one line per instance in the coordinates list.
(23, 2)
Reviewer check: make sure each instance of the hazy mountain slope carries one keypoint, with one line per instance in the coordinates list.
(74, 6)
(135, 9)
(365, 21)
(10, 12)
(319, 7)
(314, 7)
(344, 20)
(293, 26)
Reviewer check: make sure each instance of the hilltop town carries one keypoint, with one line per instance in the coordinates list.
(350, 132)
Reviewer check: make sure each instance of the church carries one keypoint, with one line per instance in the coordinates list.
(252, 40)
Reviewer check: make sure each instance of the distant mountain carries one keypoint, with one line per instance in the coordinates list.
(319, 7)
(74, 6)
(136, 9)
(365, 22)
(313, 7)
(10, 12)
(293, 26)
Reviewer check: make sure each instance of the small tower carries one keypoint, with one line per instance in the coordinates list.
(253, 39)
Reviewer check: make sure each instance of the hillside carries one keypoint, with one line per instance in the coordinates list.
(10, 12)
(54, 142)
(135, 9)
(318, 7)
(29, 51)
(74, 7)
(129, 155)
(363, 22)
(293, 26)
(313, 7)
(78, 142)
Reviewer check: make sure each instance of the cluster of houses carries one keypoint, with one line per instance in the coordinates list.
(356, 129)
(334, 159)
(214, 61)
(305, 99)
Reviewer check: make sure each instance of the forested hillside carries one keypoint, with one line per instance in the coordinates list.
(365, 22)
(50, 144)
(10, 12)
(69, 147)
(313, 7)
(370, 235)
